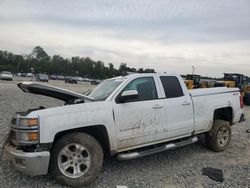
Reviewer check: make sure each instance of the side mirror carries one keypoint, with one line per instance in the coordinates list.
(128, 95)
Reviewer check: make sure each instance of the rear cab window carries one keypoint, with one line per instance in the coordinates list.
(171, 86)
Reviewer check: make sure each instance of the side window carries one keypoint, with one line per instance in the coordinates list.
(171, 86)
(145, 87)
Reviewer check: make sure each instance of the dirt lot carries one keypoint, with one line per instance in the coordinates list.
(177, 168)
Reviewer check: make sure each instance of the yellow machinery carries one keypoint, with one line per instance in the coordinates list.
(194, 81)
(226, 83)
(189, 84)
(236, 80)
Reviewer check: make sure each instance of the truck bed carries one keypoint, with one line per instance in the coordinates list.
(212, 91)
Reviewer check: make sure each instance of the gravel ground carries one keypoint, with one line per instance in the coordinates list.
(177, 168)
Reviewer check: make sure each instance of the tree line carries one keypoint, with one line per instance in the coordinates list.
(38, 61)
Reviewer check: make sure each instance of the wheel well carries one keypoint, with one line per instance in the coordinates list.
(99, 132)
(224, 114)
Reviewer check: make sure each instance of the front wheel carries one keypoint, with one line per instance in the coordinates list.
(76, 159)
(219, 137)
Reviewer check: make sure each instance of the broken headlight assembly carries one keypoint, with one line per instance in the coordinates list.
(25, 131)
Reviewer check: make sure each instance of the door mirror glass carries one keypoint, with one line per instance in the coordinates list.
(128, 95)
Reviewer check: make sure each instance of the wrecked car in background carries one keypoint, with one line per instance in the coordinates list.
(130, 117)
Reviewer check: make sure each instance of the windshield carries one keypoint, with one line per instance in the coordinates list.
(104, 89)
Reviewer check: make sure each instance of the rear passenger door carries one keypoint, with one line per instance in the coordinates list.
(178, 106)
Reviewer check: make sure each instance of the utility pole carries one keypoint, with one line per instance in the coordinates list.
(193, 69)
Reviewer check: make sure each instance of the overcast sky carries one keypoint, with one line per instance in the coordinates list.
(167, 35)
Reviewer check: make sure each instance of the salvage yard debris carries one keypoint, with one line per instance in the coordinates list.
(213, 173)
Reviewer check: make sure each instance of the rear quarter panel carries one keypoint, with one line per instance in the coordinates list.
(205, 105)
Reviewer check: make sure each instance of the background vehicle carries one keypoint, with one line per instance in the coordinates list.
(60, 77)
(192, 81)
(79, 78)
(94, 81)
(236, 80)
(5, 75)
(70, 80)
(30, 75)
(54, 77)
(42, 78)
(130, 117)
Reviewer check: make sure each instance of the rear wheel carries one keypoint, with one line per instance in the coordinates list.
(219, 137)
(247, 98)
(76, 159)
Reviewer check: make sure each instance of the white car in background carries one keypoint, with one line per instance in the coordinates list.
(5, 75)
(79, 78)
(30, 75)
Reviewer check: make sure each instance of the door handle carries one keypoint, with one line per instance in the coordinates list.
(186, 103)
(157, 106)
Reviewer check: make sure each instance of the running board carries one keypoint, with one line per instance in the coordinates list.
(137, 154)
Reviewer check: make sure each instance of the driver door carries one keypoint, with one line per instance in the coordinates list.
(139, 120)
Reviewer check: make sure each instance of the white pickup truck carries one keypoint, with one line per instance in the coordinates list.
(130, 117)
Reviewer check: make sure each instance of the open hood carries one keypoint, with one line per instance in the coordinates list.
(51, 91)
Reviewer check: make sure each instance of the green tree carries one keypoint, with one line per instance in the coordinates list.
(40, 53)
(123, 69)
(41, 62)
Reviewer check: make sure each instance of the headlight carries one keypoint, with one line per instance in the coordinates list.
(26, 131)
(28, 122)
(28, 136)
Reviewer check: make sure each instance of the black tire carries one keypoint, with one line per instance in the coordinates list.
(95, 153)
(247, 98)
(214, 138)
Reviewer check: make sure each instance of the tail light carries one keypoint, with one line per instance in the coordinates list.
(241, 102)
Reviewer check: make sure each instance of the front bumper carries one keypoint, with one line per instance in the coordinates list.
(31, 163)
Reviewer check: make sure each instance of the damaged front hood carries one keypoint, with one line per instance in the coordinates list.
(51, 91)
